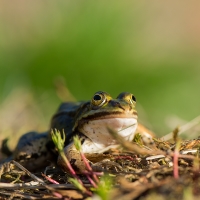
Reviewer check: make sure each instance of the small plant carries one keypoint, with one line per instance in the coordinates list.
(59, 143)
(77, 143)
(138, 139)
(175, 159)
(103, 188)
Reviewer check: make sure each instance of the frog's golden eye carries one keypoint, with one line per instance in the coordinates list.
(128, 97)
(98, 99)
(133, 98)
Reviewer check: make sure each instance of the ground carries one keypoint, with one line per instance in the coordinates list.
(156, 169)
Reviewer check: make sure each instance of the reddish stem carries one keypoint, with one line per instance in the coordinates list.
(175, 164)
(73, 172)
(89, 167)
(58, 195)
(50, 179)
(91, 181)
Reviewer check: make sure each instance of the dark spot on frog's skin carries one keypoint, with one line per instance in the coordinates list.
(22, 157)
(29, 143)
(135, 113)
(73, 163)
(34, 155)
(40, 148)
(82, 141)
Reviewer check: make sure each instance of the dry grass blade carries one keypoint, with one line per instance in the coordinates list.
(19, 185)
(27, 196)
(62, 91)
(134, 189)
(35, 185)
(29, 173)
(155, 157)
(54, 192)
(133, 147)
(182, 129)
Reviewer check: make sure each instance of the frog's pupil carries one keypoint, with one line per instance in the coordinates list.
(133, 98)
(97, 97)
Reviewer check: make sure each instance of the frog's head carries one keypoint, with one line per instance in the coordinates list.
(102, 112)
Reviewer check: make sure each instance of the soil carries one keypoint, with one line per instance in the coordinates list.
(143, 171)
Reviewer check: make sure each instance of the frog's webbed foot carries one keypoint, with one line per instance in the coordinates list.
(32, 152)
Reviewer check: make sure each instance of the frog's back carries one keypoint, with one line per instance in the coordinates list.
(34, 149)
(65, 117)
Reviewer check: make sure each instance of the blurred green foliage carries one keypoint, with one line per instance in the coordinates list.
(113, 46)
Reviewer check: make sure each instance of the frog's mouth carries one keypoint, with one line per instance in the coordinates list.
(97, 130)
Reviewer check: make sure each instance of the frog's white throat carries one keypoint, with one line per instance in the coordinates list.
(99, 137)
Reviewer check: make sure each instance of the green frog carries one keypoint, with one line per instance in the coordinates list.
(90, 121)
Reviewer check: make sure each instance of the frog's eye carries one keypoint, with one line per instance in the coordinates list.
(133, 98)
(128, 97)
(98, 99)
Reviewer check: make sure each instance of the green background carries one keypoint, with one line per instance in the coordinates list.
(150, 49)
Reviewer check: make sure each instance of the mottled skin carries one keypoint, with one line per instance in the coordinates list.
(89, 120)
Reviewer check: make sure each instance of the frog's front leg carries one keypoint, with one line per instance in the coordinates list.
(32, 151)
(90, 150)
(74, 157)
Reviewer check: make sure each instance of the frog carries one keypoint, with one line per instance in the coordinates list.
(90, 121)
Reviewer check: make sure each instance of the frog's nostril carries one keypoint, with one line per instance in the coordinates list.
(116, 104)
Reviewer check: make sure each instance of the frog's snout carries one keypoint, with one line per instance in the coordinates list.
(115, 103)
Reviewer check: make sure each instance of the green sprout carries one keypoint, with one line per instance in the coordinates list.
(104, 186)
(59, 143)
(58, 140)
(77, 143)
(78, 185)
(138, 139)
